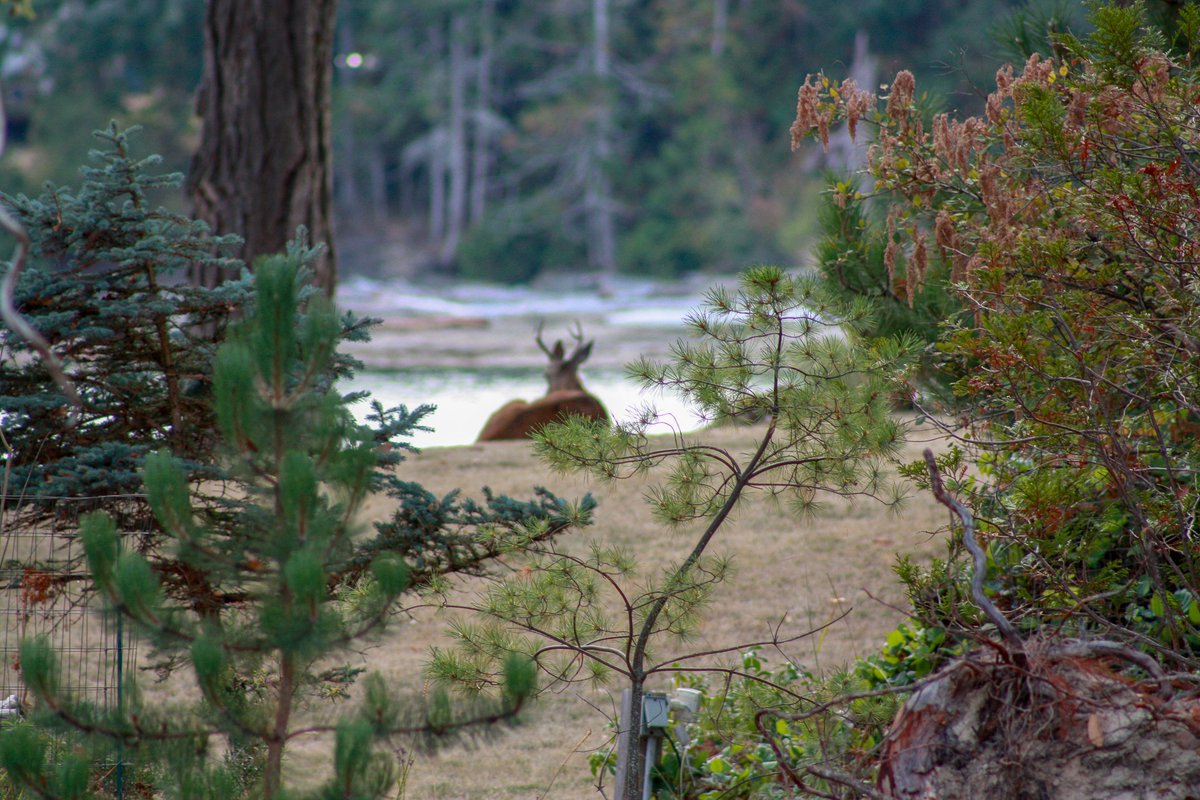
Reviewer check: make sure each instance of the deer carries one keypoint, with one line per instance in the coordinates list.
(565, 395)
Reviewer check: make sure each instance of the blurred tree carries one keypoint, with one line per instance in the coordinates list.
(76, 66)
(103, 288)
(263, 165)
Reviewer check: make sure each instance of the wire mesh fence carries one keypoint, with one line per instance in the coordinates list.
(46, 590)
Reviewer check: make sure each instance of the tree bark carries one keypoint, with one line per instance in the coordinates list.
(1068, 726)
(716, 45)
(598, 199)
(263, 166)
(456, 145)
(437, 186)
(377, 183)
(480, 156)
(345, 178)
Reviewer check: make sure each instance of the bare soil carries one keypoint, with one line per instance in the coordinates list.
(809, 571)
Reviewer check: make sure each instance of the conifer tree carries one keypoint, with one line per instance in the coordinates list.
(777, 349)
(857, 259)
(104, 288)
(297, 581)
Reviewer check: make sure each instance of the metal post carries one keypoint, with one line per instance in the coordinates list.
(653, 745)
(120, 771)
(625, 729)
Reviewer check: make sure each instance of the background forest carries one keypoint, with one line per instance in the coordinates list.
(496, 140)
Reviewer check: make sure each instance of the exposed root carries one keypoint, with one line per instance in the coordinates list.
(1066, 726)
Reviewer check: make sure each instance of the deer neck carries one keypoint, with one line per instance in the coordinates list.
(564, 383)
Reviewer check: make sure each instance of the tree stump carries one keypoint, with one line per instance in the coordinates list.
(1067, 727)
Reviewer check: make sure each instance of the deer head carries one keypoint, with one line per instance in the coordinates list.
(562, 373)
(565, 395)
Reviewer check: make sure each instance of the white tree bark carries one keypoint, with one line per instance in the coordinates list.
(716, 45)
(480, 154)
(598, 197)
(456, 143)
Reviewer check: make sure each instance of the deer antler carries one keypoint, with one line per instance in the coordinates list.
(556, 354)
(538, 338)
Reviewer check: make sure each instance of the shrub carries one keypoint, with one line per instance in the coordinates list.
(1066, 214)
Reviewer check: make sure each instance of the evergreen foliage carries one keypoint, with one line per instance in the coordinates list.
(851, 257)
(106, 287)
(295, 582)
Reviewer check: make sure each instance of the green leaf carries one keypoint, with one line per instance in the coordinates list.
(137, 587)
(72, 777)
(23, 753)
(209, 662)
(39, 667)
(520, 676)
(167, 491)
(352, 749)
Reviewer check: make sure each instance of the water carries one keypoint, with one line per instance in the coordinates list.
(470, 348)
(466, 397)
(623, 301)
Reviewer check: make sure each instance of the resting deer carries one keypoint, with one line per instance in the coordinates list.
(565, 395)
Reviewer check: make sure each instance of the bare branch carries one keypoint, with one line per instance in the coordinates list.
(8, 311)
(982, 600)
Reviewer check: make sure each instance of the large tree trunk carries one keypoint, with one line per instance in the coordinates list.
(263, 166)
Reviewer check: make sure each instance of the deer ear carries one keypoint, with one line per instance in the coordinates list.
(558, 350)
(581, 355)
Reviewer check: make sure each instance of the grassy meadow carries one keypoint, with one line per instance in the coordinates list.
(811, 571)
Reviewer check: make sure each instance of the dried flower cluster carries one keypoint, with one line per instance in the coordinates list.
(900, 101)
(813, 112)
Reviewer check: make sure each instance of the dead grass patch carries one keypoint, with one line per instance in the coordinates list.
(812, 571)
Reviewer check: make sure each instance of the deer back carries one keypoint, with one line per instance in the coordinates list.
(518, 419)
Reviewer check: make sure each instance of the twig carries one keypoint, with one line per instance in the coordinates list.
(558, 771)
(985, 604)
(850, 782)
(8, 311)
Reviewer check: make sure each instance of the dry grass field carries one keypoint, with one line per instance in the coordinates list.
(809, 571)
